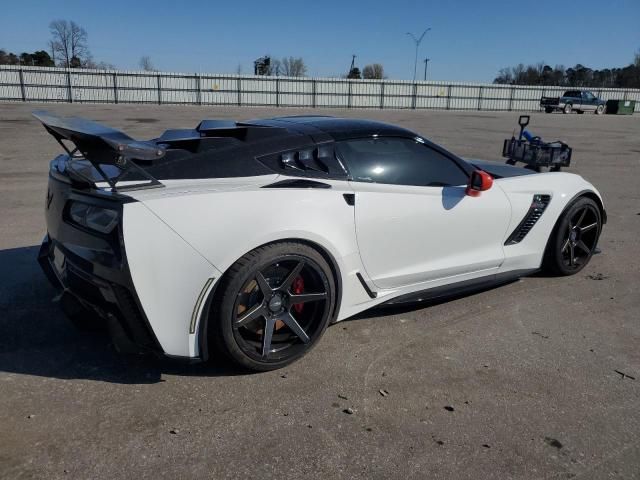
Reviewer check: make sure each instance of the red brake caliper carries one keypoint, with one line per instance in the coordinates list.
(297, 288)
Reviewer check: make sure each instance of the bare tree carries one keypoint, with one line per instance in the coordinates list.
(293, 67)
(99, 65)
(52, 50)
(636, 58)
(373, 71)
(146, 64)
(275, 68)
(69, 42)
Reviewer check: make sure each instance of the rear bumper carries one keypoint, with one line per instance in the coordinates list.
(110, 296)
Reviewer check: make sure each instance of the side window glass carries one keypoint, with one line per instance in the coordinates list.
(399, 161)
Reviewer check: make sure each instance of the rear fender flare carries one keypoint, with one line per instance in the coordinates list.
(203, 324)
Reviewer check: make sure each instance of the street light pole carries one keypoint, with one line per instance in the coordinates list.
(426, 63)
(417, 42)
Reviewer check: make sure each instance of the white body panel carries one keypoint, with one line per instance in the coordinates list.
(428, 233)
(400, 239)
(168, 275)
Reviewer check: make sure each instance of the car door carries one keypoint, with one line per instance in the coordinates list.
(589, 101)
(574, 98)
(414, 222)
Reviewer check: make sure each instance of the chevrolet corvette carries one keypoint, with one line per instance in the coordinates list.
(250, 238)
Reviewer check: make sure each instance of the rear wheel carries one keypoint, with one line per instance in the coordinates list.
(548, 110)
(567, 108)
(579, 112)
(599, 110)
(274, 305)
(574, 238)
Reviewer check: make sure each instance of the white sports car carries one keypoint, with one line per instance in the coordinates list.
(250, 238)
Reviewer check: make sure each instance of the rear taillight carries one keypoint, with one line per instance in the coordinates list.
(100, 219)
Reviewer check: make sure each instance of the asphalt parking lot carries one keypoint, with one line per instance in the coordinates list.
(536, 379)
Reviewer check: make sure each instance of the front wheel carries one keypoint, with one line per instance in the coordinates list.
(274, 305)
(574, 238)
(567, 108)
(599, 110)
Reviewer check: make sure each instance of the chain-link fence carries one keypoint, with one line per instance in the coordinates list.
(40, 84)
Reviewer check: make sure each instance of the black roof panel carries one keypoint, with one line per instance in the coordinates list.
(334, 127)
(343, 128)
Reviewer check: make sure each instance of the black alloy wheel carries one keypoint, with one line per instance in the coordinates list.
(575, 238)
(283, 300)
(581, 237)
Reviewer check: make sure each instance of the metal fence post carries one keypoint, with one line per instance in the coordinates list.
(314, 101)
(448, 96)
(159, 90)
(382, 95)
(239, 88)
(414, 95)
(349, 95)
(199, 89)
(69, 86)
(511, 98)
(115, 87)
(277, 91)
(480, 98)
(22, 89)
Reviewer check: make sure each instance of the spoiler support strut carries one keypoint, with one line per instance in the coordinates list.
(101, 145)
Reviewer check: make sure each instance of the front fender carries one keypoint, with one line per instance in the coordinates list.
(563, 188)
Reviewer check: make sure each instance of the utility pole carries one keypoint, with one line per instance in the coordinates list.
(353, 62)
(426, 64)
(417, 41)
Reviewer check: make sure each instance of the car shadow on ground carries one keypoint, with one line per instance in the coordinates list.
(37, 339)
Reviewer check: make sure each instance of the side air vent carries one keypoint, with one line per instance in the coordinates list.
(297, 183)
(537, 208)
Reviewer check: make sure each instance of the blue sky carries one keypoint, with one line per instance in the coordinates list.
(469, 40)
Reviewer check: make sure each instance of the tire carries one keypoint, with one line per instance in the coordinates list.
(548, 110)
(256, 321)
(599, 110)
(574, 238)
(579, 112)
(567, 108)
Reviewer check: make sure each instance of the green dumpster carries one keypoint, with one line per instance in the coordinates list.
(621, 107)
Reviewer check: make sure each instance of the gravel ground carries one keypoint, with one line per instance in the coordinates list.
(536, 379)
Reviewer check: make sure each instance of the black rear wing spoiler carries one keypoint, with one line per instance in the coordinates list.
(102, 145)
